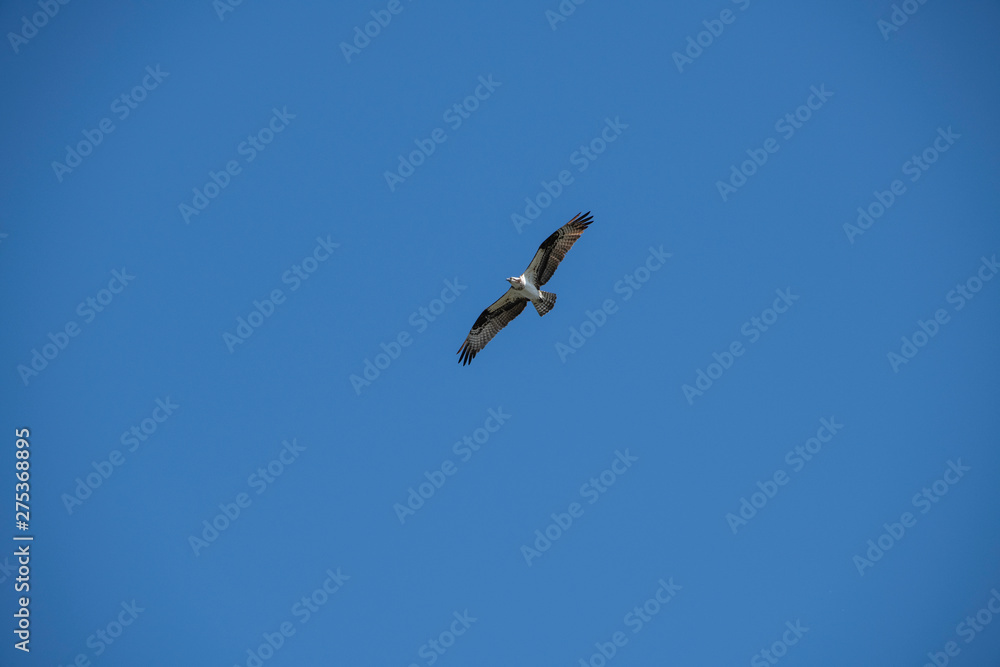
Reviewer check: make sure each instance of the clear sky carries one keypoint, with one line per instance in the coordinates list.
(242, 244)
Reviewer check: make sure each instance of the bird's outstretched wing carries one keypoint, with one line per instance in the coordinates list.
(553, 249)
(490, 322)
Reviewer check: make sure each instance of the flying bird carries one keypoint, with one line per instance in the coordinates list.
(525, 288)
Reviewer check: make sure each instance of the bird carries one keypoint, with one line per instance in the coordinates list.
(525, 288)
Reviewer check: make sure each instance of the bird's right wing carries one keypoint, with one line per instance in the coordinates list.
(553, 249)
(490, 322)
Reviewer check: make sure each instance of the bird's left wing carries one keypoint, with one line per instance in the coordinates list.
(553, 249)
(490, 322)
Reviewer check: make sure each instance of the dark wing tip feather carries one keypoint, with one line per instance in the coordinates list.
(582, 220)
(468, 354)
(489, 323)
(553, 249)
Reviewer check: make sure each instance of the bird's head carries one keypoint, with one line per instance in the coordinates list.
(516, 282)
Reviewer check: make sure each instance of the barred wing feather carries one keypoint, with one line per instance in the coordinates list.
(490, 322)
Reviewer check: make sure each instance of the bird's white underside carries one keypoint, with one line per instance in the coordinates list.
(528, 288)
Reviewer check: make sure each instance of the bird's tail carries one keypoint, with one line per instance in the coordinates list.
(545, 305)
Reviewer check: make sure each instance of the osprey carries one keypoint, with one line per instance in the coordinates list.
(525, 288)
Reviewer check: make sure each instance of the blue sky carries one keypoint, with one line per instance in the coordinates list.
(759, 426)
